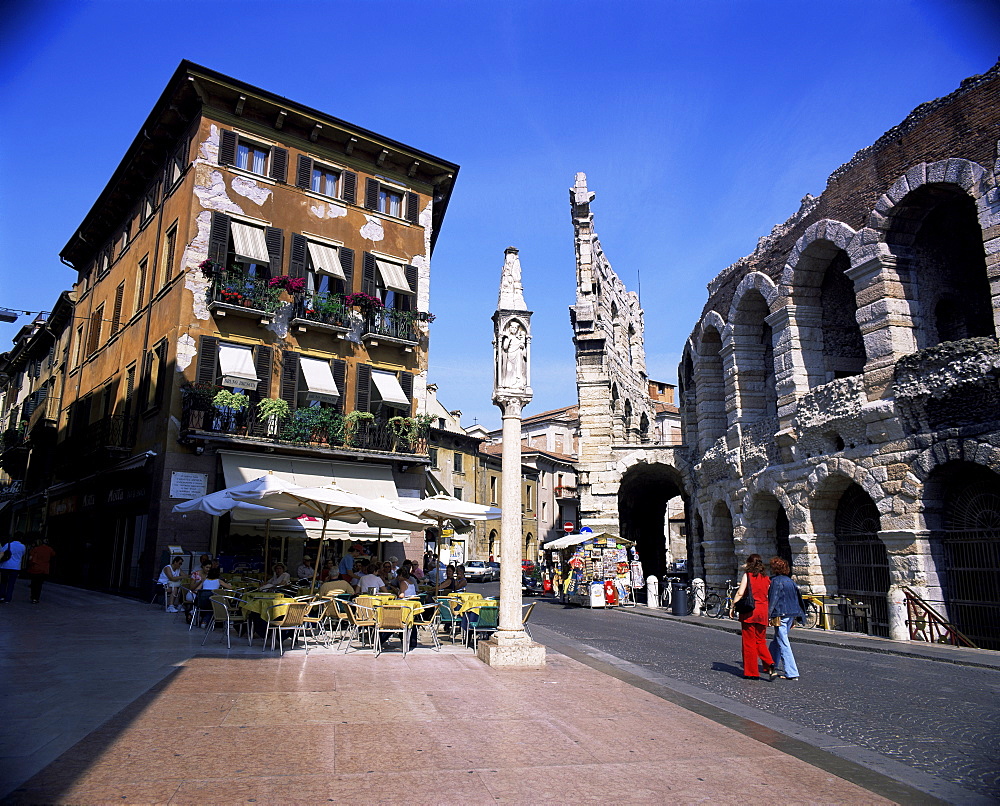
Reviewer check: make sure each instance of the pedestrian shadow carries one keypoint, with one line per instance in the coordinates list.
(718, 666)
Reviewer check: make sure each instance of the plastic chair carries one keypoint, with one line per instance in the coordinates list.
(447, 617)
(225, 610)
(487, 623)
(293, 620)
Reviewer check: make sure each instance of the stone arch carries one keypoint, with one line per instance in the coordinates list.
(752, 343)
(688, 397)
(766, 526)
(830, 479)
(955, 450)
(710, 381)
(643, 493)
(824, 303)
(719, 543)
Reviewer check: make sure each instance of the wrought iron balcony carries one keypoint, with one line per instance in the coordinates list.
(564, 491)
(323, 308)
(392, 324)
(234, 290)
(108, 437)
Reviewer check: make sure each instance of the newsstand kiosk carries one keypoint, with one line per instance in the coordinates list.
(596, 568)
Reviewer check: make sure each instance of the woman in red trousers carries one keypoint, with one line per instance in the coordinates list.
(754, 623)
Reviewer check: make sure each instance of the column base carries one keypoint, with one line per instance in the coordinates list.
(511, 653)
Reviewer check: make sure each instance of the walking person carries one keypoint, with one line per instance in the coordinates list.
(754, 622)
(39, 567)
(784, 608)
(11, 559)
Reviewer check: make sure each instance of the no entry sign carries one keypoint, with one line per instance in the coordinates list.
(568, 527)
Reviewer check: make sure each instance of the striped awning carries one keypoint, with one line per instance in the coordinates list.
(248, 242)
(393, 276)
(326, 259)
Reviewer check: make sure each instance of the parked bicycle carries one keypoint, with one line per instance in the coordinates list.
(666, 595)
(717, 606)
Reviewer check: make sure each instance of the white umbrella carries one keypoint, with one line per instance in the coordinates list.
(223, 501)
(443, 507)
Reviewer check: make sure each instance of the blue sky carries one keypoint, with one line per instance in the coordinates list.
(699, 125)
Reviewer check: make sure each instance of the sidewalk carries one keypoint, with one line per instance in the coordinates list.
(945, 653)
(109, 700)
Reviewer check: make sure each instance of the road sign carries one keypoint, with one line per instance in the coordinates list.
(568, 527)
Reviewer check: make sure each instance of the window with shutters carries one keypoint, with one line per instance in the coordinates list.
(149, 202)
(459, 466)
(156, 375)
(326, 180)
(316, 392)
(116, 315)
(392, 201)
(78, 347)
(129, 401)
(246, 154)
(140, 284)
(96, 325)
(249, 249)
(177, 164)
(391, 280)
(124, 238)
(169, 254)
(432, 453)
(329, 268)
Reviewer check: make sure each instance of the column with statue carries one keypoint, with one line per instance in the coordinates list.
(510, 645)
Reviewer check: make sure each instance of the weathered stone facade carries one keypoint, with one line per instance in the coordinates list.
(840, 401)
(625, 476)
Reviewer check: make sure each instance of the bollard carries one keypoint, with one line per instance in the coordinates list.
(698, 594)
(652, 591)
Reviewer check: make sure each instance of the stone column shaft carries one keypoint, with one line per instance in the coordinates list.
(510, 525)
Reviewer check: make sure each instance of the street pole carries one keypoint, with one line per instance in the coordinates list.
(510, 646)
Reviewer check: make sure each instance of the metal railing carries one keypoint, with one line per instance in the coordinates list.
(239, 290)
(47, 410)
(11, 438)
(394, 324)
(565, 491)
(323, 307)
(926, 624)
(200, 415)
(114, 433)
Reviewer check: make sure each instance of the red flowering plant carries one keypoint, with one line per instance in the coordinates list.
(367, 303)
(293, 285)
(210, 268)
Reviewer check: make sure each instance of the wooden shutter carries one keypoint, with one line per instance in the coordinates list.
(161, 372)
(363, 388)
(371, 194)
(279, 164)
(116, 315)
(347, 264)
(208, 360)
(275, 240)
(412, 275)
(368, 269)
(413, 208)
(406, 384)
(340, 377)
(218, 238)
(262, 363)
(297, 256)
(303, 175)
(227, 147)
(290, 377)
(350, 184)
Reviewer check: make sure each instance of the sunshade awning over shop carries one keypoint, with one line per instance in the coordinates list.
(249, 242)
(393, 276)
(389, 389)
(326, 259)
(319, 380)
(237, 366)
(575, 540)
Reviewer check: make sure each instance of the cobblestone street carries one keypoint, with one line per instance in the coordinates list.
(938, 718)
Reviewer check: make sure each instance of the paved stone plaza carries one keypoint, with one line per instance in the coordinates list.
(114, 701)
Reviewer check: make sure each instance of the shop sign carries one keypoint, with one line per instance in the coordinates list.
(122, 495)
(64, 506)
(188, 485)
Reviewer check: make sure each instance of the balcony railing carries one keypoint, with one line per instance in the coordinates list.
(238, 290)
(324, 308)
(112, 434)
(303, 428)
(566, 491)
(45, 413)
(393, 324)
(12, 438)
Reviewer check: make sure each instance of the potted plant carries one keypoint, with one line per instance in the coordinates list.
(366, 303)
(353, 425)
(293, 285)
(273, 410)
(225, 399)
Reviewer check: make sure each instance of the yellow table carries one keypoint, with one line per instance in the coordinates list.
(261, 604)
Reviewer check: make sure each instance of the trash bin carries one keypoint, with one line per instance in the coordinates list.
(678, 599)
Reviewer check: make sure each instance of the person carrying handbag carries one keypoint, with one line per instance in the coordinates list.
(750, 605)
(784, 607)
(11, 560)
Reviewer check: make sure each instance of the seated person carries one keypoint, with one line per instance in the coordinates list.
(202, 573)
(335, 586)
(306, 569)
(171, 576)
(328, 572)
(448, 585)
(460, 580)
(281, 577)
(369, 580)
(206, 589)
(407, 586)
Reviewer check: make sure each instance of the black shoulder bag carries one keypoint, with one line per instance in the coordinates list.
(745, 605)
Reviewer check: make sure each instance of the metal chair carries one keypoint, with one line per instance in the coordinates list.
(225, 610)
(293, 621)
(392, 620)
(320, 623)
(447, 617)
(362, 623)
(486, 623)
(433, 624)
(528, 610)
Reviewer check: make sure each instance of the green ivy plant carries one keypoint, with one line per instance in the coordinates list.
(230, 400)
(273, 407)
(351, 422)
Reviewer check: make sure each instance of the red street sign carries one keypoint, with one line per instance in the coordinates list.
(567, 527)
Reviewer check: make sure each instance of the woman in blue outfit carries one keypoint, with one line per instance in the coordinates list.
(784, 607)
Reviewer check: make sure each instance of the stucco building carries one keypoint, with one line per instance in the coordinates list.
(251, 246)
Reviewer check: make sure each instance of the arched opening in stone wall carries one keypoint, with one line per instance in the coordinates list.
(962, 512)
(530, 549)
(753, 349)
(643, 494)
(936, 230)
(721, 562)
(688, 401)
(826, 313)
(644, 428)
(696, 547)
(711, 390)
(493, 546)
(767, 528)
(862, 560)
